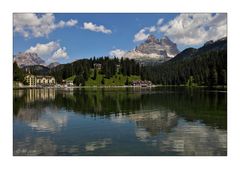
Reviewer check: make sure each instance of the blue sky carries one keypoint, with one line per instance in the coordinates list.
(67, 37)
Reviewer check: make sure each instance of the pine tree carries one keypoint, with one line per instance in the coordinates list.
(127, 82)
(222, 77)
(18, 74)
(103, 81)
(212, 78)
(95, 74)
(76, 80)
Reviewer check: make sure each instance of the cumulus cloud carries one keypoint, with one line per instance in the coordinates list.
(195, 29)
(60, 53)
(144, 33)
(51, 51)
(30, 24)
(95, 28)
(160, 21)
(152, 29)
(189, 29)
(117, 53)
(71, 22)
(141, 35)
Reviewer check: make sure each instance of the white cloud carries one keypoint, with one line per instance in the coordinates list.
(160, 21)
(195, 29)
(144, 33)
(141, 35)
(117, 53)
(71, 22)
(44, 50)
(51, 51)
(60, 53)
(93, 27)
(30, 24)
(152, 29)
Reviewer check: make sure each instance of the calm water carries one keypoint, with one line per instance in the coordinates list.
(159, 121)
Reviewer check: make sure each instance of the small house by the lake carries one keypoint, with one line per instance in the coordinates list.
(142, 83)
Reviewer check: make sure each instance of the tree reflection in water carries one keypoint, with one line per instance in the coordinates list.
(182, 121)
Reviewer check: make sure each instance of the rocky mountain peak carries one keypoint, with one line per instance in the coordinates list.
(151, 39)
(28, 59)
(165, 40)
(163, 47)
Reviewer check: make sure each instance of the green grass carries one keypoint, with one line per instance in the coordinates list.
(116, 80)
(71, 78)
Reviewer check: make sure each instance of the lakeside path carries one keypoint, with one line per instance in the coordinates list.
(115, 87)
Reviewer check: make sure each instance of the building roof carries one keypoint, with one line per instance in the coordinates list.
(40, 76)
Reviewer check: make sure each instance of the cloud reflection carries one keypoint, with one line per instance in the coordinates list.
(44, 119)
(167, 132)
(99, 144)
(188, 138)
(37, 146)
(197, 139)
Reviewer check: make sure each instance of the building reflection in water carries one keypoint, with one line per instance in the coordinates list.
(40, 116)
(33, 95)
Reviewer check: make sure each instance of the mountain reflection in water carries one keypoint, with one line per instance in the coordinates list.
(157, 121)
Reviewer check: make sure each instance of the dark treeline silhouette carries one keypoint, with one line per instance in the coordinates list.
(207, 69)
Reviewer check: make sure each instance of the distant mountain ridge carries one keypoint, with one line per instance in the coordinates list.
(209, 46)
(36, 69)
(52, 65)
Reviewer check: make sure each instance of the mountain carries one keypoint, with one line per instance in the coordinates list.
(27, 59)
(205, 66)
(209, 46)
(36, 69)
(154, 49)
(52, 65)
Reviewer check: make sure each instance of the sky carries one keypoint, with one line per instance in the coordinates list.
(65, 37)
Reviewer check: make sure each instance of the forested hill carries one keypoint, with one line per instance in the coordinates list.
(85, 69)
(204, 66)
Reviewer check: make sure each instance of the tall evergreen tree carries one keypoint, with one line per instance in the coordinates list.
(212, 78)
(18, 74)
(94, 74)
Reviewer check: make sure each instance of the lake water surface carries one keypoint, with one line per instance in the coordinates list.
(146, 121)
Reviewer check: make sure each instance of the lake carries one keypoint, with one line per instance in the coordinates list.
(163, 121)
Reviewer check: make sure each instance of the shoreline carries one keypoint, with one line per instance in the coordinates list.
(125, 86)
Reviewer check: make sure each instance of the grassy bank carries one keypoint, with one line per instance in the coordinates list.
(101, 80)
